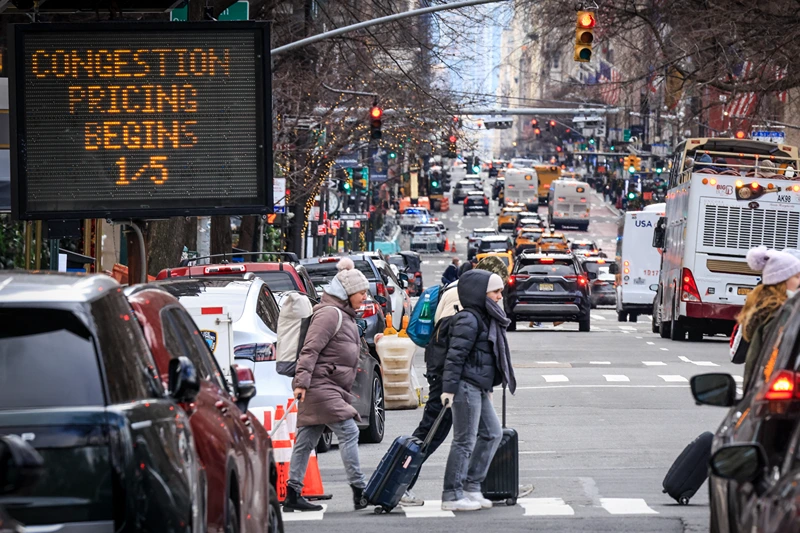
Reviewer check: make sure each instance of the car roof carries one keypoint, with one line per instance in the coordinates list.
(535, 255)
(583, 241)
(235, 267)
(431, 225)
(199, 292)
(491, 238)
(47, 287)
(553, 234)
(475, 193)
(492, 230)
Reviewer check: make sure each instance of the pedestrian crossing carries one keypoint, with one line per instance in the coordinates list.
(587, 380)
(529, 507)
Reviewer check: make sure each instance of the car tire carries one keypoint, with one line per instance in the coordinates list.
(654, 325)
(275, 518)
(677, 332)
(325, 441)
(695, 336)
(665, 329)
(585, 324)
(622, 316)
(633, 317)
(373, 433)
(512, 324)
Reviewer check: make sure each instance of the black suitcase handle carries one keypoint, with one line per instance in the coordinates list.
(434, 428)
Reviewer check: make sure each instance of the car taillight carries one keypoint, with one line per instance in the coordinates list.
(600, 283)
(546, 260)
(783, 386)
(517, 277)
(256, 352)
(380, 290)
(582, 280)
(227, 269)
(367, 310)
(328, 259)
(689, 292)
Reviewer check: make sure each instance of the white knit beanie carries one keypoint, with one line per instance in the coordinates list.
(495, 283)
(776, 267)
(351, 279)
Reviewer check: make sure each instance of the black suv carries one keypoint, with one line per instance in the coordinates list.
(80, 386)
(550, 288)
(476, 201)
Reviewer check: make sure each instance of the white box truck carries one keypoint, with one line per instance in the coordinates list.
(639, 263)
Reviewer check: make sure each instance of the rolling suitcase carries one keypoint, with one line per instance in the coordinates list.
(502, 481)
(396, 470)
(689, 470)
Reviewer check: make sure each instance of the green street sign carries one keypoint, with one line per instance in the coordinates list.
(238, 11)
(626, 136)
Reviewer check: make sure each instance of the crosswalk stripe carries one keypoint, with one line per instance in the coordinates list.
(599, 362)
(554, 378)
(654, 363)
(615, 377)
(626, 506)
(598, 317)
(673, 379)
(704, 363)
(431, 509)
(664, 349)
(650, 343)
(305, 516)
(627, 328)
(738, 379)
(545, 507)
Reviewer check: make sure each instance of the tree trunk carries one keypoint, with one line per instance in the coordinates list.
(248, 234)
(221, 240)
(190, 234)
(165, 241)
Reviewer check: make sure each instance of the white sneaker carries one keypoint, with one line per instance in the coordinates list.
(478, 497)
(410, 499)
(461, 505)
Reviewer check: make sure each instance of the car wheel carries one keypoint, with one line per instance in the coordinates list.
(585, 324)
(633, 317)
(377, 415)
(665, 329)
(275, 519)
(695, 336)
(677, 331)
(654, 326)
(622, 316)
(512, 325)
(232, 517)
(325, 441)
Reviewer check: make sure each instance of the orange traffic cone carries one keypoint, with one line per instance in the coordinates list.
(282, 451)
(453, 248)
(312, 484)
(447, 245)
(291, 420)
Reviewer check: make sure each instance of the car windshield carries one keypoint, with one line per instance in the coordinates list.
(529, 235)
(278, 281)
(582, 246)
(494, 245)
(205, 292)
(594, 267)
(556, 268)
(398, 261)
(329, 270)
(552, 239)
(47, 359)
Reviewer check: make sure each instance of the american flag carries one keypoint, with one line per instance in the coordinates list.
(745, 104)
(609, 77)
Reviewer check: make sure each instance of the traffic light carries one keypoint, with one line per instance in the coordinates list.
(637, 163)
(375, 115)
(631, 195)
(451, 146)
(551, 125)
(392, 155)
(534, 123)
(740, 134)
(347, 184)
(630, 164)
(659, 166)
(537, 133)
(584, 36)
(364, 181)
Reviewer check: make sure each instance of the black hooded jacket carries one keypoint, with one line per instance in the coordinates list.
(469, 356)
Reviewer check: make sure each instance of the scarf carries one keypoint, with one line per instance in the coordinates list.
(498, 322)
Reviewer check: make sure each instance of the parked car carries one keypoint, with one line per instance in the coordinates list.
(476, 201)
(427, 237)
(463, 187)
(764, 418)
(384, 286)
(79, 381)
(474, 239)
(21, 467)
(285, 275)
(550, 288)
(236, 454)
(410, 264)
(253, 312)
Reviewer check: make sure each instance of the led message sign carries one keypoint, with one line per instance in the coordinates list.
(118, 120)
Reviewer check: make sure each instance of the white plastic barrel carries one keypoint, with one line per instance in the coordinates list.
(397, 356)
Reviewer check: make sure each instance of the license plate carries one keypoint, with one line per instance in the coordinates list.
(545, 286)
(743, 291)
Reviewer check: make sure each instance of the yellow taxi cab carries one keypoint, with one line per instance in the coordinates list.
(553, 242)
(527, 239)
(528, 228)
(505, 257)
(507, 219)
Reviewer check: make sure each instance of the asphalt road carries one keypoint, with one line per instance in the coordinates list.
(601, 417)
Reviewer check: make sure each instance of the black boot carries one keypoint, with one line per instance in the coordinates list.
(295, 502)
(359, 500)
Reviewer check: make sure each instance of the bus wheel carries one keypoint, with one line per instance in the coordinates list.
(665, 329)
(677, 331)
(695, 336)
(622, 316)
(633, 317)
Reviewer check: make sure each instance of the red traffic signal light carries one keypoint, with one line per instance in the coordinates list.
(740, 134)
(534, 123)
(558, 148)
(567, 130)
(552, 123)
(584, 36)
(537, 131)
(586, 20)
(376, 112)
(453, 138)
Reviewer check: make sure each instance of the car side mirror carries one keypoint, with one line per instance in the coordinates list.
(404, 278)
(613, 268)
(591, 275)
(244, 386)
(742, 463)
(714, 389)
(20, 465)
(362, 326)
(184, 383)
(381, 299)
(654, 287)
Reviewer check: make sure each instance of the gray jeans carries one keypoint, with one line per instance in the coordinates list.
(476, 436)
(306, 440)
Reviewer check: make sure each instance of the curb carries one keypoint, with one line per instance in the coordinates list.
(610, 207)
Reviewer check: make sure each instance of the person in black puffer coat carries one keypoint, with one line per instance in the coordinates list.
(474, 365)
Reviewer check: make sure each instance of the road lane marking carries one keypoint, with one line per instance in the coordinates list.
(626, 506)
(303, 516)
(545, 387)
(664, 349)
(654, 363)
(554, 378)
(627, 328)
(599, 362)
(615, 377)
(704, 363)
(431, 509)
(533, 452)
(638, 337)
(673, 379)
(597, 317)
(650, 343)
(684, 359)
(545, 507)
(547, 362)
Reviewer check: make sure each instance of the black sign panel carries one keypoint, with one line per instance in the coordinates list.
(120, 120)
